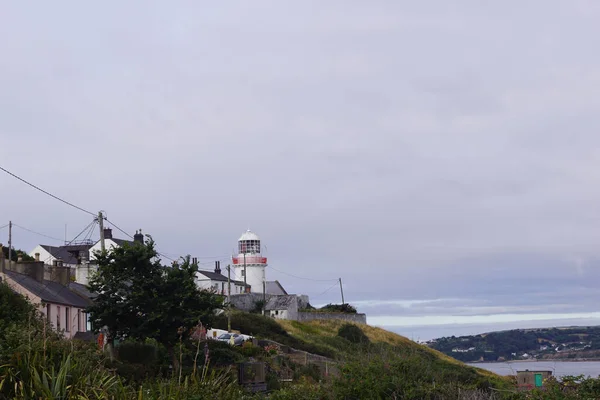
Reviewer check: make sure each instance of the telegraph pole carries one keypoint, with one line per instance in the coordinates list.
(245, 273)
(264, 296)
(9, 242)
(101, 224)
(342, 290)
(229, 298)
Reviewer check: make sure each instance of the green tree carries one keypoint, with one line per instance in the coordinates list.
(16, 253)
(140, 299)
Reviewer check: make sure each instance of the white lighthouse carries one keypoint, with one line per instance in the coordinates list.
(249, 265)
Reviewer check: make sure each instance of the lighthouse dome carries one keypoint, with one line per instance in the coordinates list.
(248, 235)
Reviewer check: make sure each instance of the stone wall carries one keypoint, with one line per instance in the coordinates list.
(311, 316)
(246, 301)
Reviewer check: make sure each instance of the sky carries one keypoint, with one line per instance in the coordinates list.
(442, 158)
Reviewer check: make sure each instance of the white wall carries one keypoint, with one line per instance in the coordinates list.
(278, 314)
(108, 243)
(76, 322)
(255, 278)
(83, 272)
(220, 287)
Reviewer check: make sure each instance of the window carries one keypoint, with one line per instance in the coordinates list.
(67, 320)
(78, 320)
(58, 318)
(48, 308)
(243, 272)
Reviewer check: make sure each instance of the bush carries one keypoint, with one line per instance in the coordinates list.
(353, 334)
(341, 308)
(137, 353)
(250, 350)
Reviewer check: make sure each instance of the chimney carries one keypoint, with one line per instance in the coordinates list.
(138, 237)
(107, 233)
(218, 267)
(37, 256)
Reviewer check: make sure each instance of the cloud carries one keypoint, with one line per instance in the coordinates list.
(419, 151)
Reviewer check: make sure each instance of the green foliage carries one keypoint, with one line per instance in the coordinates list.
(341, 308)
(14, 308)
(16, 253)
(353, 334)
(250, 350)
(265, 327)
(140, 299)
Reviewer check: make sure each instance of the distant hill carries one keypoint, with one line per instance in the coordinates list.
(522, 344)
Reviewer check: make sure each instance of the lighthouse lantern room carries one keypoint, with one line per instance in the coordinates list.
(249, 265)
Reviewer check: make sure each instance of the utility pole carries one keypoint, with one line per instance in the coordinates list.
(342, 290)
(101, 224)
(245, 274)
(229, 298)
(264, 296)
(9, 242)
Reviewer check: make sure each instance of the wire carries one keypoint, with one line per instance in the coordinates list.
(45, 192)
(125, 233)
(37, 233)
(300, 277)
(334, 285)
(4, 226)
(91, 224)
(119, 229)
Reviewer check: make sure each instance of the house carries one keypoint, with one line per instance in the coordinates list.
(80, 256)
(110, 242)
(532, 379)
(216, 281)
(282, 307)
(50, 287)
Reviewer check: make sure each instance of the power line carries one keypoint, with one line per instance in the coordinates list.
(37, 233)
(45, 192)
(3, 226)
(127, 234)
(300, 277)
(332, 286)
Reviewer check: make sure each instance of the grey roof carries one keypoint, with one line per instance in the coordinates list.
(281, 302)
(49, 291)
(213, 276)
(274, 287)
(82, 290)
(121, 242)
(61, 252)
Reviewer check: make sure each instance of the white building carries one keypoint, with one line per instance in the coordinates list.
(215, 280)
(249, 265)
(80, 256)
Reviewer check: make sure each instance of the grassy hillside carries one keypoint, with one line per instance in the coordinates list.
(383, 366)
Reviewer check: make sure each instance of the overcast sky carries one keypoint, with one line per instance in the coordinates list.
(441, 157)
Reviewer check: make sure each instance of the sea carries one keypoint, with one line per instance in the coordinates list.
(558, 368)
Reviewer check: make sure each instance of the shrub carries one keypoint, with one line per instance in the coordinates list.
(342, 308)
(250, 350)
(353, 334)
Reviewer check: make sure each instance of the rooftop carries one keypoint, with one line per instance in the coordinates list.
(248, 235)
(49, 291)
